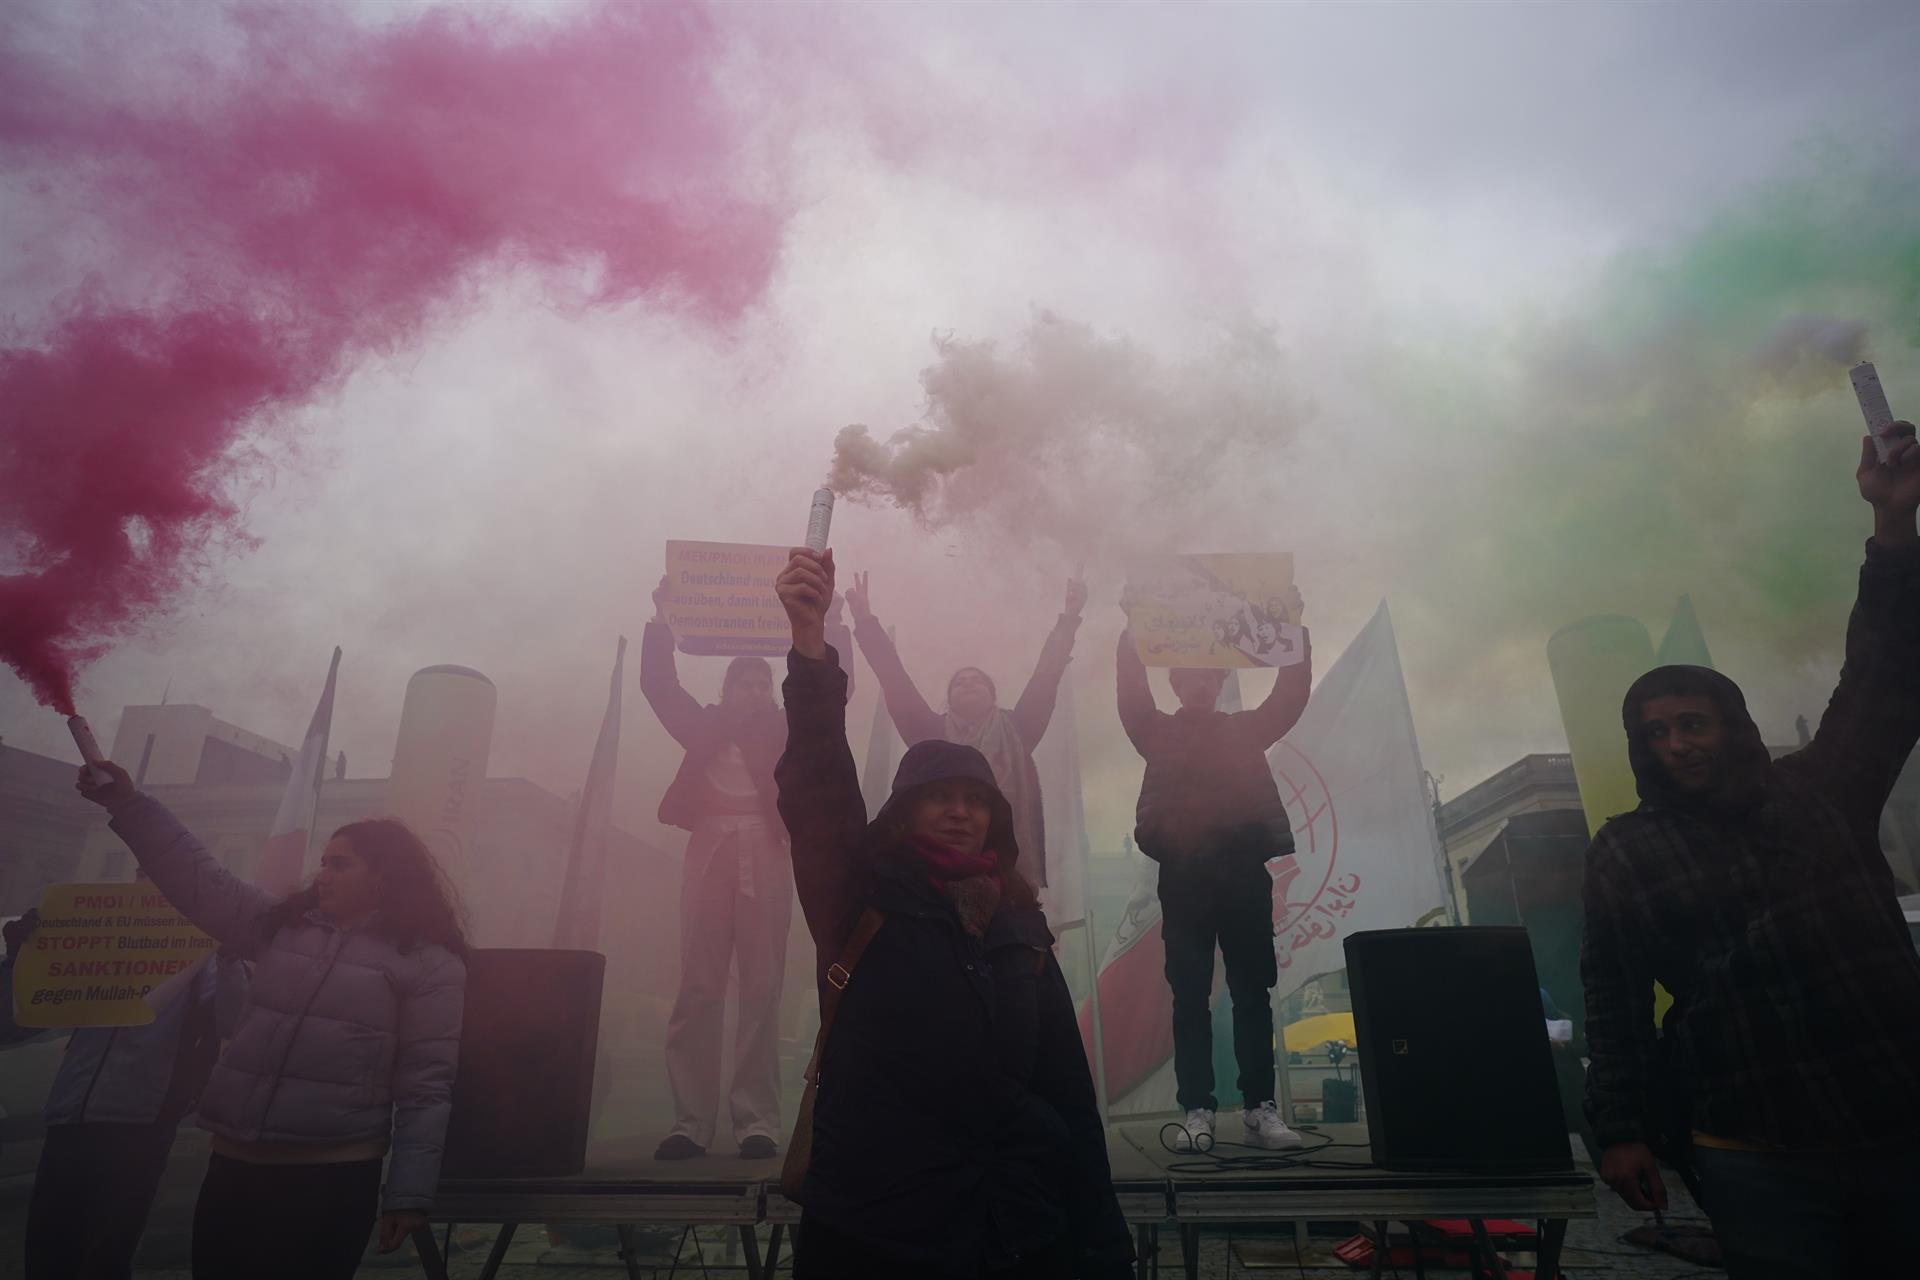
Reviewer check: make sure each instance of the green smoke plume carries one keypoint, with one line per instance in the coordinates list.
(1686, 427)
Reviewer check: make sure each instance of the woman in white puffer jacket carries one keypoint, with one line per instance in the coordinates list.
(344, 1053)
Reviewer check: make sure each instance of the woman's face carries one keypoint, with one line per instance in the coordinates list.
(348, 886)
(751, 689)
(970, 695)
(954, 813)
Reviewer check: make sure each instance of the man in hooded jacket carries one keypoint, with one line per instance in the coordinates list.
(1755, 891)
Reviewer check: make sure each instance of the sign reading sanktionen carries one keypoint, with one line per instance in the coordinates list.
(100, 950)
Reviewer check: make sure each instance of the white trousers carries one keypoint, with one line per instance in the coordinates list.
(736, 906)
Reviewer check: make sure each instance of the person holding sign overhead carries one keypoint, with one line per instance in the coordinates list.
(954, 1131)
(1211, 815)
(344, 1053)
(974, 716)
(736, 894)
(116, 1103)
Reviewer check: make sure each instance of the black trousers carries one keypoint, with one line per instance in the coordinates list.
(290, 1221)
(90, 1199)
(822, 1253)
(1224, 900)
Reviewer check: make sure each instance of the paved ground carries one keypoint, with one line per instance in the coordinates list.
(1594, 1249)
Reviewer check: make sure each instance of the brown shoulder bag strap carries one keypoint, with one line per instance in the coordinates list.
(838, 974)
(793, 1173)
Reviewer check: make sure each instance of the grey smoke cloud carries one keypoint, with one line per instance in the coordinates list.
(1805, 334)
(1081, 439)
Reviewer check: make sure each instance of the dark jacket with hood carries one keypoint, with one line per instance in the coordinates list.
(1767, 909)
(1208, 789)
(955, 1128)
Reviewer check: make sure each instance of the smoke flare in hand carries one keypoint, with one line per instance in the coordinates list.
(272, 218)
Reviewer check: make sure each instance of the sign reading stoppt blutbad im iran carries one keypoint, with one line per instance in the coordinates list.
(100, 951)
(720, 600)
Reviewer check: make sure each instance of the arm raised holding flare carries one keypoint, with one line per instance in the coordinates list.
(817, 780)
(376, 941)
(944, 1012)
(1756, 892)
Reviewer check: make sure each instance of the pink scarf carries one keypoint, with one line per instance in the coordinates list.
(942, 863)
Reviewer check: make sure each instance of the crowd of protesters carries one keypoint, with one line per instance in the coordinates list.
(950, 1126)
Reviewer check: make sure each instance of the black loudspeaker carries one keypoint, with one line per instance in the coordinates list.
(1453, 1051)
(524, 1089)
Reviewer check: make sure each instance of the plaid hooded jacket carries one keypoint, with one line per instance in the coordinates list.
(1769, 911)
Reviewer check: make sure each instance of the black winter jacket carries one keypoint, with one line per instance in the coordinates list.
(1208, 788)
(955, 1128)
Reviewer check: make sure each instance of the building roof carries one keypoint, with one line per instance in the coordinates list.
(1531, 772)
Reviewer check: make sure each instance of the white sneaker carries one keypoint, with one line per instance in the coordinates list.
(1199, 1127)
(1266, 1129)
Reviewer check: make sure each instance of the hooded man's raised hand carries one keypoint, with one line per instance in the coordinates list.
(1893, 486)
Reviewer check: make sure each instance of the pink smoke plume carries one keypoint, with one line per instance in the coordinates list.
(256, 223)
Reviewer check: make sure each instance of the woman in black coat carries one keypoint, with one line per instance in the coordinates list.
(955, 1129)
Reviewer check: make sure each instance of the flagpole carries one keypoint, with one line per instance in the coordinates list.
(1093, 999)
(319, 772)
(1442, 869)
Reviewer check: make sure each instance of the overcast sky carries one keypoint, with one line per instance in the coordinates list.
(1439, 209)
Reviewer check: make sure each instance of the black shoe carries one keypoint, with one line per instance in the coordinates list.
(678, 1146)
(759, 1147)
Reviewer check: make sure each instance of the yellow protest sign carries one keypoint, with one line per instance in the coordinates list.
(98, 952)
(1233, 609)
(720, 599)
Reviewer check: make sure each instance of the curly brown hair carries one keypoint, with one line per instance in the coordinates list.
(417, 903)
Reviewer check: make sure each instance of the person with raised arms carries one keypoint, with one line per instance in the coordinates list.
(974, 716)
(1755, 891)
(736, 895)
(1211, 815)
(343, 1059)
(955, 1131)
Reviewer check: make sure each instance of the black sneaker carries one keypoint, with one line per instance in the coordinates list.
(759, 1147)
(678, 1146)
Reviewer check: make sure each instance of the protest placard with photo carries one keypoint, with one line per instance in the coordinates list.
(1231, 609)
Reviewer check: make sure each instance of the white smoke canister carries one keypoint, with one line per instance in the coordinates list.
(440, 766)
(89, 749)
(819, 520)
(1873, 406)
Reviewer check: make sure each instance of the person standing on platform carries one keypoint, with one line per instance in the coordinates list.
(974, 716)
(1755, 891)
(1211, 815)
(736, 895)
(116, 1104)
(345, 1050)
(955, 1130)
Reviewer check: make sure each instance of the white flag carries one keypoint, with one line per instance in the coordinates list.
(1365, 852)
